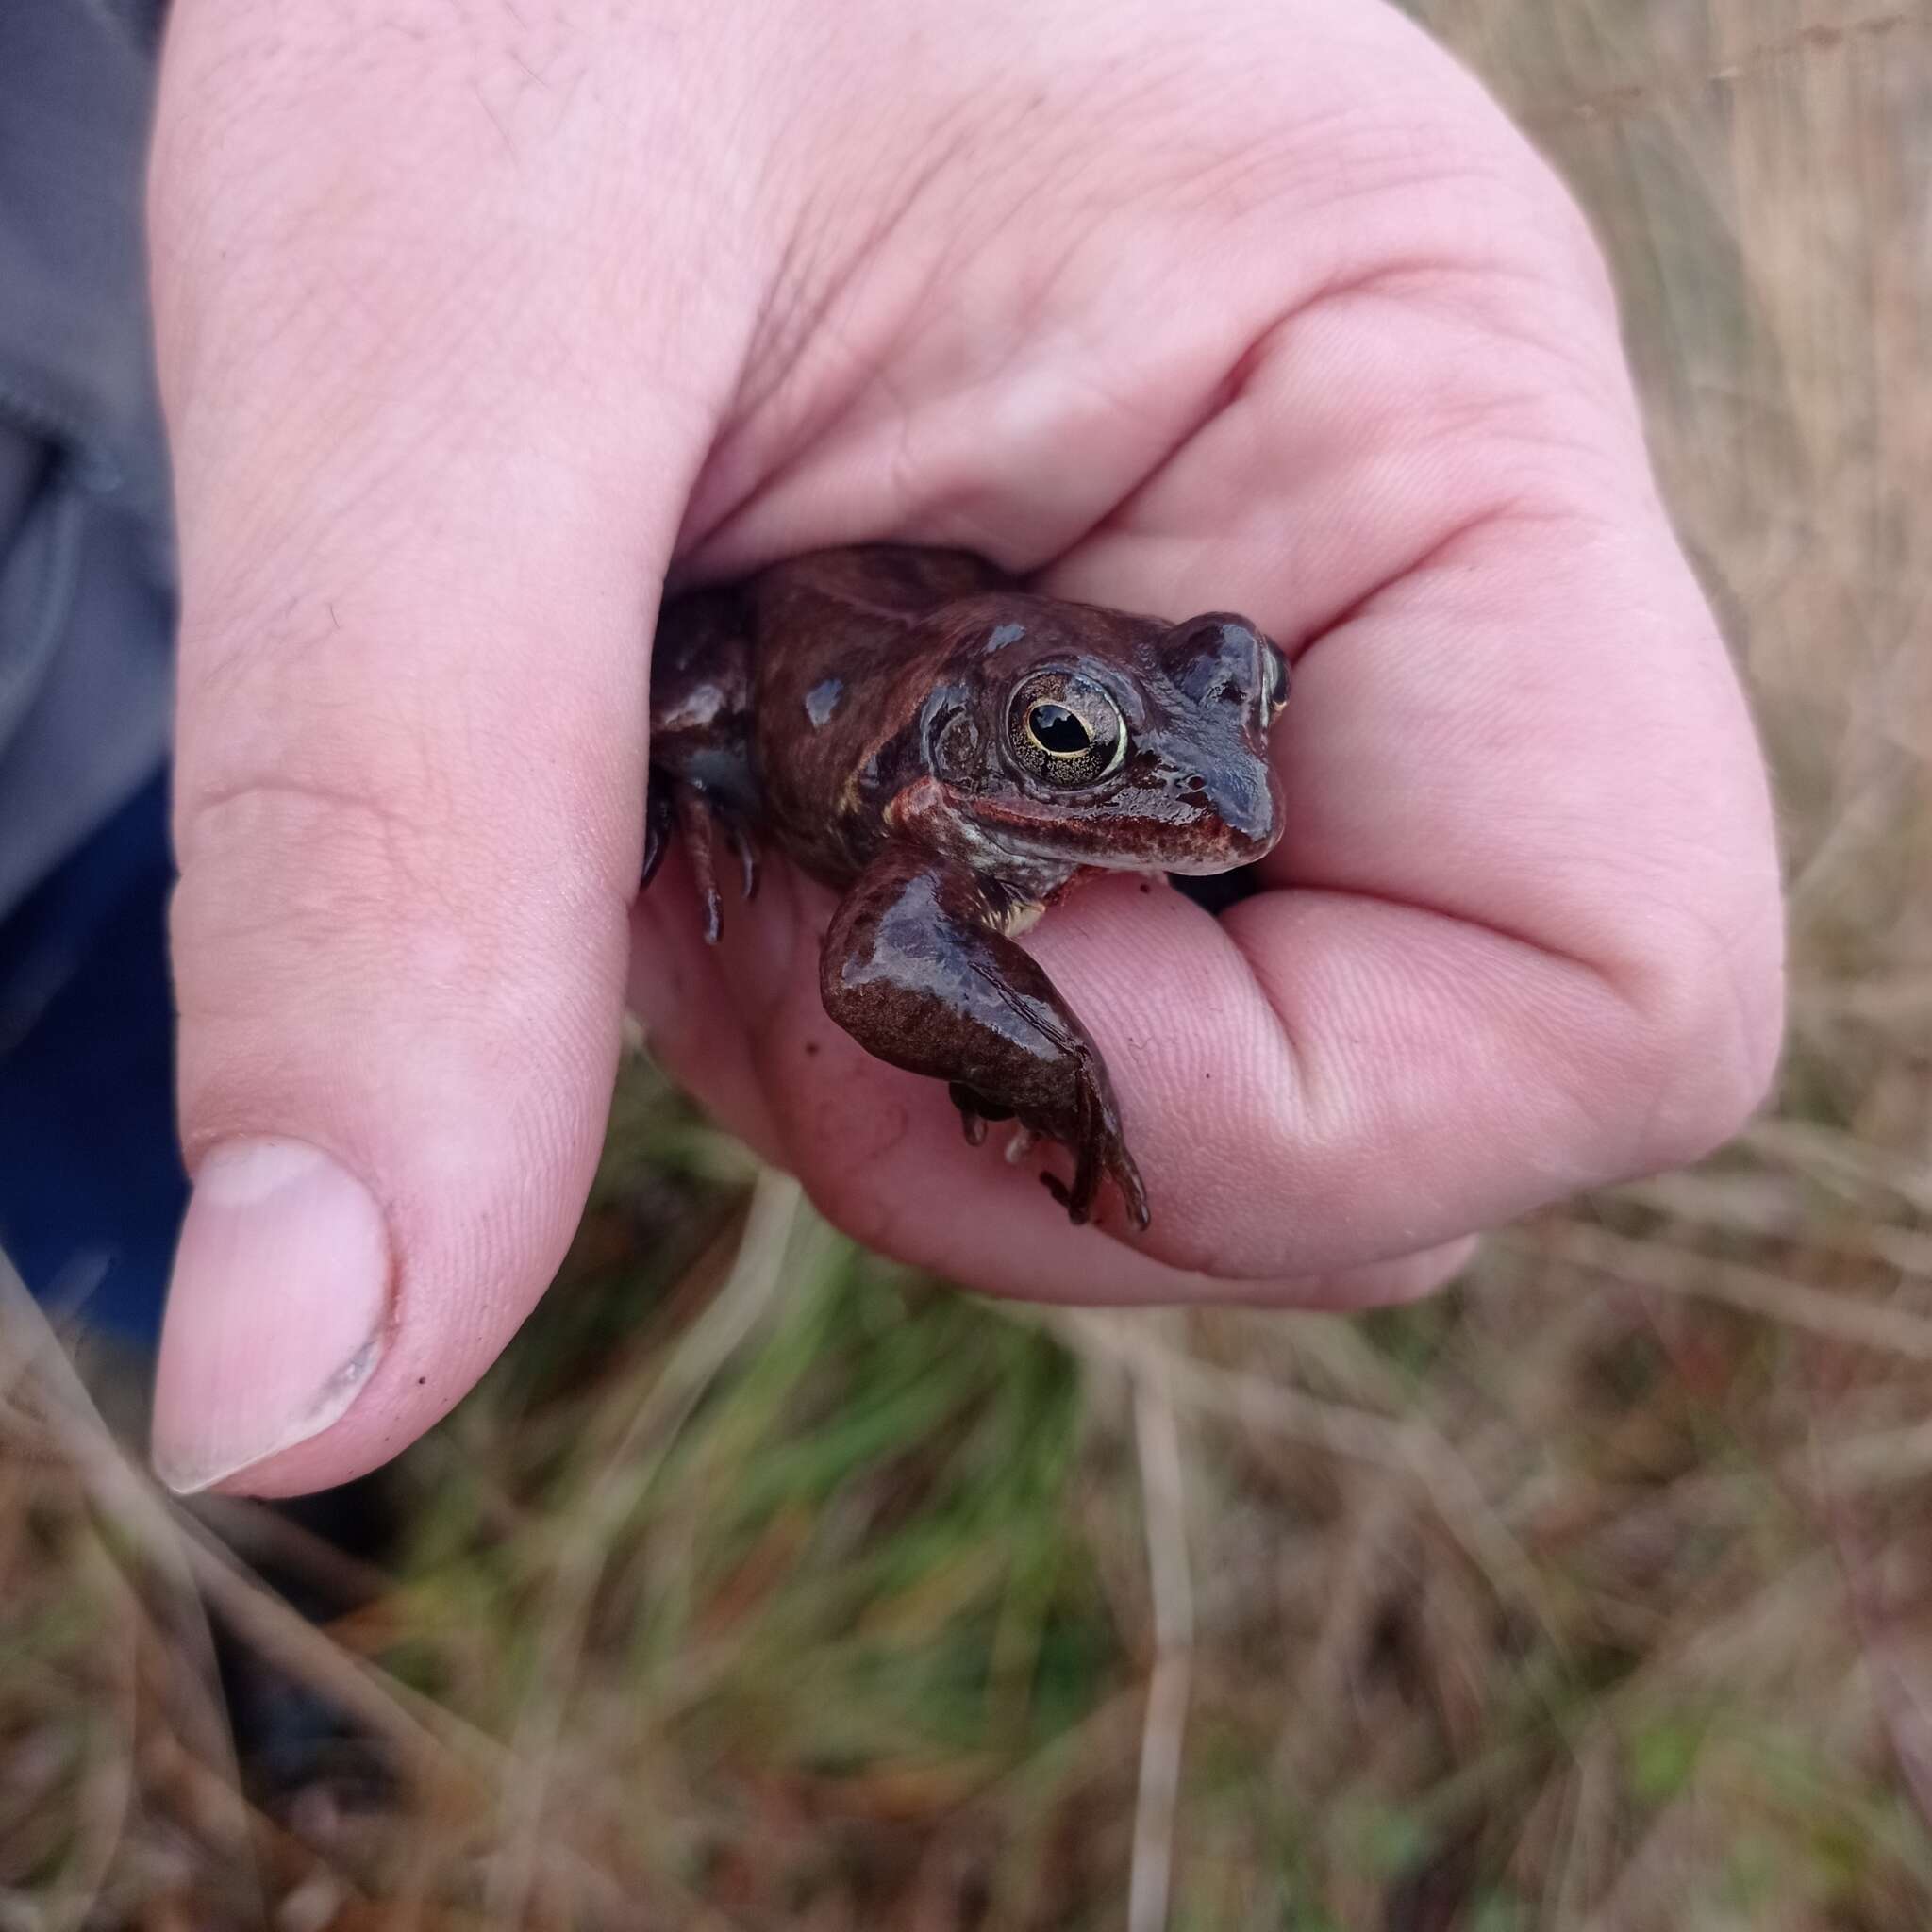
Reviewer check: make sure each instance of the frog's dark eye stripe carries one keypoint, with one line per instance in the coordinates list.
(1065, 729)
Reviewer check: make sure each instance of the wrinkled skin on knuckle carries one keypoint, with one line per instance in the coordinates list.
(346, 965)
(1690, 951)
(1703, 1032)
(342, 835)
(278, 876)
(1683, 949)
(290, 722)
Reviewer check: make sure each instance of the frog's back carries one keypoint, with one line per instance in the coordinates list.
(839, 677)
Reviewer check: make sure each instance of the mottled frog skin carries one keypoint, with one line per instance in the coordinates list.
(951, 752)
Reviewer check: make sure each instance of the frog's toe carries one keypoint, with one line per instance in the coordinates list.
(1080, 1198)
(975, 1111)
(1099, 1150)
(696, 821)
(1062, 1192)
(1086, 1148)
(700, 819)
(1127, 1177)
(746, 846)
(658, 818)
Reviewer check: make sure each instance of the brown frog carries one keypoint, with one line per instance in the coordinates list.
(951, 752)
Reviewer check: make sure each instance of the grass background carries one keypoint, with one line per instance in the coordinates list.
(765, 1583)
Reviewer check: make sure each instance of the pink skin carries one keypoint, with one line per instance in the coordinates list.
(473, 323)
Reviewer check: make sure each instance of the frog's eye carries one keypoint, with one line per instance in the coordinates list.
(1277, 682)
(1065, 729)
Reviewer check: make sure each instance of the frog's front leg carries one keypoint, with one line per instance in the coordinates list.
(916, 970)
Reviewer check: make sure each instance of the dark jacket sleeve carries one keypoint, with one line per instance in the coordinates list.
(87, 597)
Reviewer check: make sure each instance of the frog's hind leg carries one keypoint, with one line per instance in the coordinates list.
(700, 818)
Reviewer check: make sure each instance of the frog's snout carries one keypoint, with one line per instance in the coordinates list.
(1236, 813)
(1243, 796)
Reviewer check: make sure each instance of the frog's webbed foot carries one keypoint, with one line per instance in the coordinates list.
(699, 817)
(915, 969)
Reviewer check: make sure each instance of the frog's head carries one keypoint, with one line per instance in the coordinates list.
(1066, 732)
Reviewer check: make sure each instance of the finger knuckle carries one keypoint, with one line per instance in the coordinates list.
(1702, 1028)
(279, 873)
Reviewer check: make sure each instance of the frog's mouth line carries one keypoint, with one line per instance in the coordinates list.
(1039, 841)
(1197, 830)
(1251, 853)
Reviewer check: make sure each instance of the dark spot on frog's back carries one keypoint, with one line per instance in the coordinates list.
(823, 700)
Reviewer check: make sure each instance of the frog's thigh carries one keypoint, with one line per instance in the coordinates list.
(912, 972)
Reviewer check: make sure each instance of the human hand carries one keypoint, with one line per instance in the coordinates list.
(473, 325)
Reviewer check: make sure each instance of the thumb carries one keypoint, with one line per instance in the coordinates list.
(420, 554)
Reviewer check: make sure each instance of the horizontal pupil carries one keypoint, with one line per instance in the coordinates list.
(1059, 730)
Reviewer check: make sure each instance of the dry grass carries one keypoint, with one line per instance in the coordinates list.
(763, 1584)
